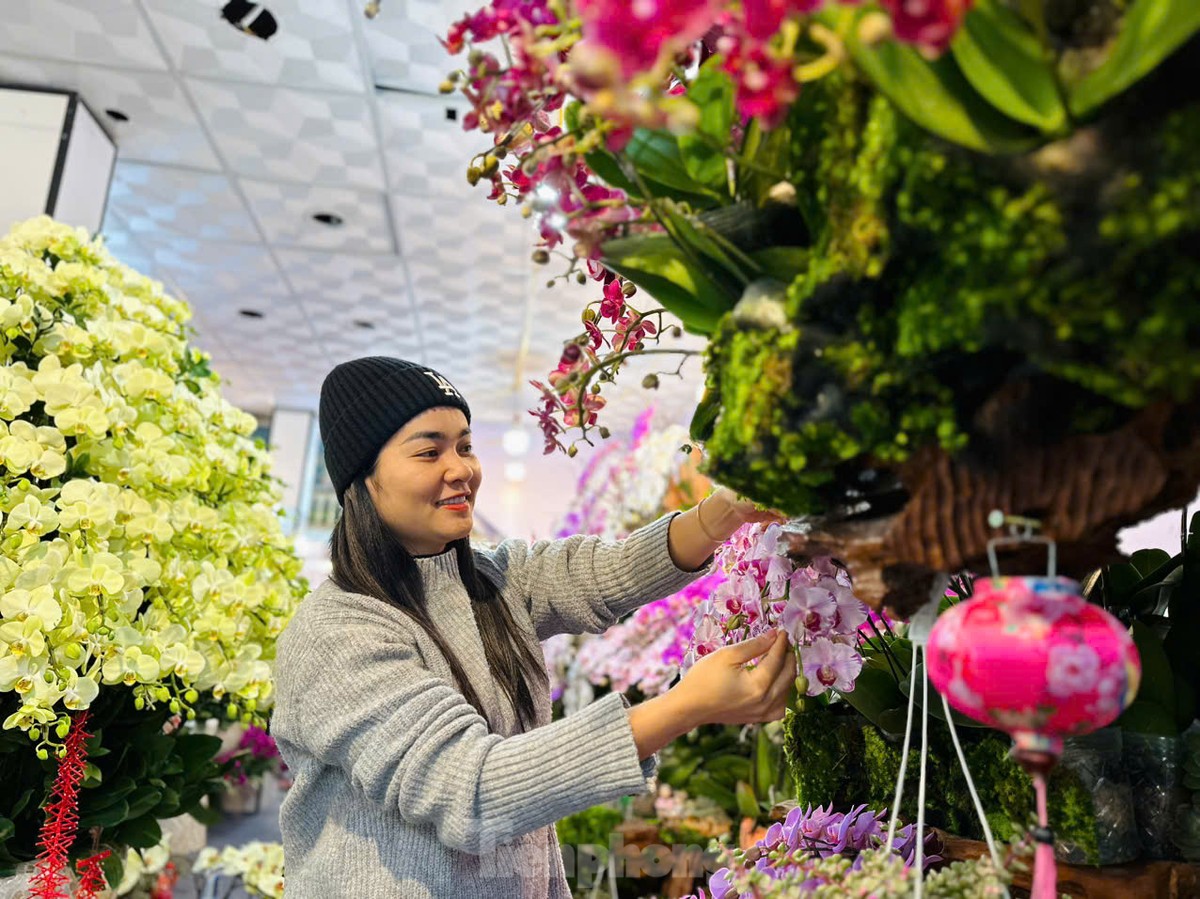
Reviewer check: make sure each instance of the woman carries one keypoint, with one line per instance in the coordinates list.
(413, 707)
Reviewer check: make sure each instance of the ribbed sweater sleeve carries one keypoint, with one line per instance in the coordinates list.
(586, 584)
(408, 740)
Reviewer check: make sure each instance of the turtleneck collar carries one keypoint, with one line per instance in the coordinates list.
(442, 565)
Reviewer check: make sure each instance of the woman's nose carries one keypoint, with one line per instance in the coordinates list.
(458, 469)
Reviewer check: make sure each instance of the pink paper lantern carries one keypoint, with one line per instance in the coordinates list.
(1031, 657)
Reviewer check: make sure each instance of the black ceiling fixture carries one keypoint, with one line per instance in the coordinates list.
(116, 115)
(451, 114)
(328, 218)
(364, 324)
(251, 18)
(250, 313)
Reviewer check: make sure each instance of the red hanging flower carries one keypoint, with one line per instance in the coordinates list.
(91, 876)
(62, 816)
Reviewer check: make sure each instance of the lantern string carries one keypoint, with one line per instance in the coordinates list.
(1045, 873)
(962, 763)
(912, 695)
(919, 861)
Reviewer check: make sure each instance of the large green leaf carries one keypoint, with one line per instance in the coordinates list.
(108, 816)
(655, 264)
(875, 691)
(1150, 32)
(935, 95)
(703, 152)
(1005, 62)
(782, 263)
(140, 833)
(197, 749)
(1158, 683)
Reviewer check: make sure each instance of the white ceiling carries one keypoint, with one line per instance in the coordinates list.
(233, 143)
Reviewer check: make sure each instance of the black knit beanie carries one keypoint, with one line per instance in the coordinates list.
(365, 401)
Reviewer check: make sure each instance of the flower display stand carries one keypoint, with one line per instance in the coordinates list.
(1161, 880)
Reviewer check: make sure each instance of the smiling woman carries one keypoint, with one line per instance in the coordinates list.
(412, 703)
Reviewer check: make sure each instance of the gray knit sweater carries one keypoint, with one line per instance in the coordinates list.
(402, 790)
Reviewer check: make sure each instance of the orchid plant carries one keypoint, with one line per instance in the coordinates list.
(764, 589)
(820, 854)
(144, 574)
(257, 865)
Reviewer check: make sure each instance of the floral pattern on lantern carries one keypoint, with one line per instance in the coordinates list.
(1030, 656)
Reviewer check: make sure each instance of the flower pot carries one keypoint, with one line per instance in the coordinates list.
(242, 799)
(1153, 764)
(1097, 760)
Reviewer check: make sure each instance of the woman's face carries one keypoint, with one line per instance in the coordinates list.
(425, 481)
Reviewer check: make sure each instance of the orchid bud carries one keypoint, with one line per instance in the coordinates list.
(541, 256)
(650, 382)
(589, 314)
(446, 87)
(581, 278)
(605, 433)
(572, 452)
(474, 173)
(629, 288)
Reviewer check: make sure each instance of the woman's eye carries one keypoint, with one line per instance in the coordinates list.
(467, 450)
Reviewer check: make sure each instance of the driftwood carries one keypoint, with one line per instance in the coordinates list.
(1083, 488)
(1142, 880)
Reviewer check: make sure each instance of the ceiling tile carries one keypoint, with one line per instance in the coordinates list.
(313, 48)
(424, 152)
(285, 213)
(282, 134)
(402, 42)
(162, 125)
(110, 32)
(336, 282)
(152, 199)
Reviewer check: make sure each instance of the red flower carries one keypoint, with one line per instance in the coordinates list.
(927, 23)
(636, 32)
(763, 17)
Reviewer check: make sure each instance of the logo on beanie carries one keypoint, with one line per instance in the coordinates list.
(446, 386)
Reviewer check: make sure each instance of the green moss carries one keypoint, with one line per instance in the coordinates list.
(590, 827)
(822, 748)
(839, 758)
(936, 276)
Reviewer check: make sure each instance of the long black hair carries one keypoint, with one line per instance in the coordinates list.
(369, 559)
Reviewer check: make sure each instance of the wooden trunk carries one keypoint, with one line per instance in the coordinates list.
(1084, 489)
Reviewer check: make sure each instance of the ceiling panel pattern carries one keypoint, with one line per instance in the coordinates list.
(162, 125)
(233, 144)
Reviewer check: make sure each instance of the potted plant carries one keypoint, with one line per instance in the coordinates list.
(942, 253)
(143, 573)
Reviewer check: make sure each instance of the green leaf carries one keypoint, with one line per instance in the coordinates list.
(143, 801)
(747, 802)
(1145, 717)
(140, 833)
(764, 763)
(21, 803)
(728, 265)
(1148, 560)
(875, 691)
(1119, 583)
(656, 265)
(1006, 63)
(703, 152)
(1158, 683)
(656, 156)
(936, 96)
(1150, 32)
(197, 750)
(109, 816)
(7, 829)
(782, 263)
(114, 867)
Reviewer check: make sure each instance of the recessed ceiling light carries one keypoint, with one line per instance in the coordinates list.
(250, 313)
(250, 18)
(451, 114)
(328, 218)
(364, 324)
(116, 115)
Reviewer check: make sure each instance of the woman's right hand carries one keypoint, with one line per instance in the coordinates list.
(719, 689)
